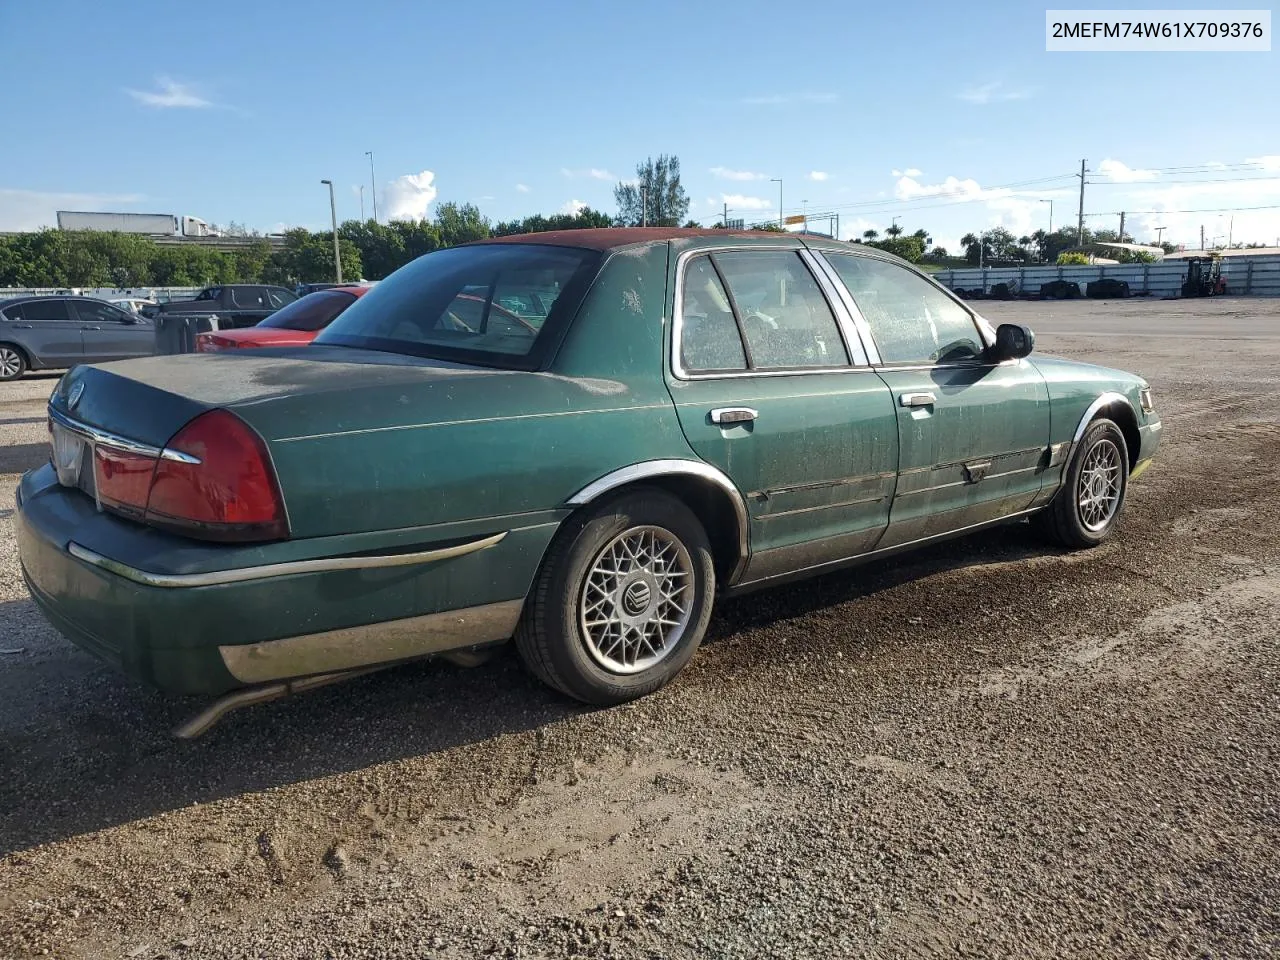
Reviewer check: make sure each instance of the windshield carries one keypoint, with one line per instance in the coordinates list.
(313, 312)
(492, 304)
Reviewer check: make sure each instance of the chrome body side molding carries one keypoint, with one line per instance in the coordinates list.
(656, 469)
(215, 578)
(373, 644)
(1105, 400)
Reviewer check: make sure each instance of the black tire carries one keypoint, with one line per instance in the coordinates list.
(551, 638)
(13, 362)
(1063, 521)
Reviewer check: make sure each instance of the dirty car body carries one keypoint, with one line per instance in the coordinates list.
(576, 438)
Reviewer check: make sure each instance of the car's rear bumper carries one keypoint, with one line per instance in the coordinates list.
(213, 630)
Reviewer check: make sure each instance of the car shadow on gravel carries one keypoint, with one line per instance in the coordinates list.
(83, 748)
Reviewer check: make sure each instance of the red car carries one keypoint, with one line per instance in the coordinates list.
(294, 325)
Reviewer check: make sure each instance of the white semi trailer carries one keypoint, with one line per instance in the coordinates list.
(150, 224)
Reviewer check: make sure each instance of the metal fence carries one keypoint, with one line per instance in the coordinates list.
(159, 294)
(1257, 276)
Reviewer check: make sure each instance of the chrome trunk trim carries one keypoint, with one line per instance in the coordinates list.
(215, 578)
(374, 644)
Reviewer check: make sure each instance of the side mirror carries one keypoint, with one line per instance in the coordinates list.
(1013, 342)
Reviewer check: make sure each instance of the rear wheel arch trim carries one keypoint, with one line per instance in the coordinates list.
(662, 469)
(1105, 401)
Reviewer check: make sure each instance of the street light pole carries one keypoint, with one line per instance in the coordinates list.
(1050, 203)
(778, 181)
(373, 184)
(333, 216)
(644, 205)
(362, 203)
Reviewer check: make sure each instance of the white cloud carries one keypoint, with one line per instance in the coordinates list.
(909, 172)
(1270, 163)
(995, 92)
(909, 188)
(22, 210)
(594, 173)
(521, 188)
(409, 196)
(737, 202)
(1118, 172)
(777, 99)
(724, 173)
(573, 207)
(818, 175)
(170, 94)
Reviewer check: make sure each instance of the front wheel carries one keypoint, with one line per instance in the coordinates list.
(622, 600)
(1086, 509)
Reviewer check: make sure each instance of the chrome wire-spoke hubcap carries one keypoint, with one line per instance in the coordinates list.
(10, 363)
(1101, 480)
(637, 599)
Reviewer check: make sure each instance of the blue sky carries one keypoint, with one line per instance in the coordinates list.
(235, 111)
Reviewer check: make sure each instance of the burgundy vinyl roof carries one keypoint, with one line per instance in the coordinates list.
(607, 238)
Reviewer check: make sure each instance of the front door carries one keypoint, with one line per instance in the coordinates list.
(769, 390)
(113, 334)
(973, 435)
(50, 331)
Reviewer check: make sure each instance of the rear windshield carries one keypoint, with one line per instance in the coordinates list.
(502, 305)
(313, 312)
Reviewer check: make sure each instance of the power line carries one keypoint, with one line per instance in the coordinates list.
(1270, 206)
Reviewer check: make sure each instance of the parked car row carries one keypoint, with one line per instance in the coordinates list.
(38, 333)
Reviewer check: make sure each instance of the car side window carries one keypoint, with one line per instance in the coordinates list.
(709, 336)
(12, 313)
(89, 312)
(41, 311)
(278, 298)
(248, 298)
(784, 317)
(911, 320)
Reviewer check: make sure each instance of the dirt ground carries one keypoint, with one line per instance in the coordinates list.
(991, 748)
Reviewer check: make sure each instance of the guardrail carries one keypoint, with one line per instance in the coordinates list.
(1252, 276)
(159, 294)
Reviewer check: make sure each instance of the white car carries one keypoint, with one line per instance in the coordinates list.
(132, 304)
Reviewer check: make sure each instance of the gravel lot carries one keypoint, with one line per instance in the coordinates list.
(987, 749)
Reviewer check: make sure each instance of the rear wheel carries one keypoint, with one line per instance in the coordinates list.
(1086, 509)
(13, 362)
(622, 600)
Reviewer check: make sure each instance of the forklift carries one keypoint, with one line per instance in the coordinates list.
(1204, 277)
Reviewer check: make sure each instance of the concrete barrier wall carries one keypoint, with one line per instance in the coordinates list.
(159, 294)
(1259, 276)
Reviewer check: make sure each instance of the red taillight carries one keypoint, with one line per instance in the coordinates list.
(212, 343)
(229, 493)
(122, 480)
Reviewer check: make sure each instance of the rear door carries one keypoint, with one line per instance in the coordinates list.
(109, 333)
(48, 331)
(772, 386)
(973, 435)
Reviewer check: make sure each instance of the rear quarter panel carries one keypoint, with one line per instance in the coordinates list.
(504, 444)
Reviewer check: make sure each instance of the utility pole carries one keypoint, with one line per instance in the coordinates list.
(837, 235)
(1231, 229)
(804, 212)
(982, 247)
(1050, 203)
(1202, 236)
(373, 185)
(724, 221)
(644, 205)
(362, 203)
(1080, 226)
(1160, 236)
(333, 215)
(778, 181)
(1121, 234)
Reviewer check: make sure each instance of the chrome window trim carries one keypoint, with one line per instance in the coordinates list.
(289, 568)
(861, 327)
(854, 350)
(650, 469)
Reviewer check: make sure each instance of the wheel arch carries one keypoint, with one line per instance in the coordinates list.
(707, 491)
(1116, 407)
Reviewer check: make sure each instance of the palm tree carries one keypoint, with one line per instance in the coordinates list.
(870, 235)
(894, 231)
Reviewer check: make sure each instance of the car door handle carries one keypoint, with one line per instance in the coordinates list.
(917, 399)
(90, 328)
(23, 326)
(729, 415)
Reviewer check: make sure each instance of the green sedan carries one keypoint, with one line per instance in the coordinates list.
(575, 439)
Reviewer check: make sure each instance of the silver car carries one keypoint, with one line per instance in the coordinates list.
(38, 333)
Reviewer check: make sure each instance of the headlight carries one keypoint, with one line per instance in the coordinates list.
(1144, 397)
